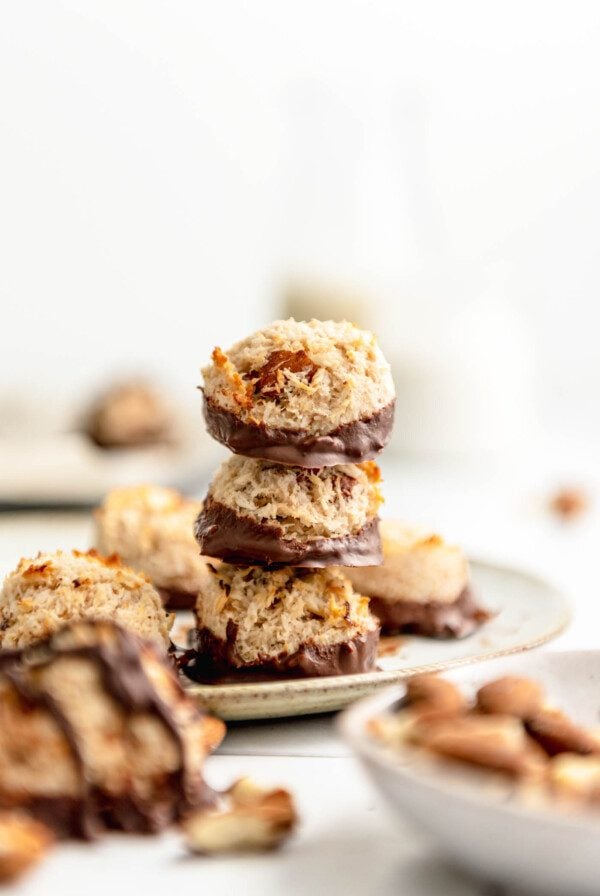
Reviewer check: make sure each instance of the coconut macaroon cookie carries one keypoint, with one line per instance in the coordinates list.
(307, 393)
(261, 513)
(292, 621)
(152, 530)
(130, 415)
(96, 732)
(46, 592)
(423, 585)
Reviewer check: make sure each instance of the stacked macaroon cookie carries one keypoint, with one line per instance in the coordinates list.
(304, 407)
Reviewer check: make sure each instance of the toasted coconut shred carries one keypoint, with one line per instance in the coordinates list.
(301, 375)
(151, 528)
(278, 611)
(330, 502)
(45, 593)
(418, 566)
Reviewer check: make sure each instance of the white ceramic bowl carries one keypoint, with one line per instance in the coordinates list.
(493, 835)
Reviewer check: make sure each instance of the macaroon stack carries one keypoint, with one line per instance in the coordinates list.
(304, 407)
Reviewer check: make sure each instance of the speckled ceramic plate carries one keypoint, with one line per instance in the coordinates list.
(528, 611)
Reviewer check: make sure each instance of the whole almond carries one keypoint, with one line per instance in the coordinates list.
(556, 733)
(513, 696)
(434, 693)
(495, 742)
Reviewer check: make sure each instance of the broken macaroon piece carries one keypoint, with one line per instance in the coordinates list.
(248, 818)
(112, 739)
(23, 843)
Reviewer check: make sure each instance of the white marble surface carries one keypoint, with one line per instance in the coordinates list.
(348, 843)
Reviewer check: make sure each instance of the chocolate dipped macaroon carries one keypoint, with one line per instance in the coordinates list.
(286, 622)
(46, 592)
(423, 586)
(305, 393)
(265, 514)
(97, 733)
(152, 530)
(130, 415)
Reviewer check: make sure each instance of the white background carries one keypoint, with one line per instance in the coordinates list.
(166, 166)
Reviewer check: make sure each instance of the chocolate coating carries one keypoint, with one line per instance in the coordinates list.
(349, 443)
(433, 620)
(214, 657)
(177, 600)
(237, 539)
(8, 657)
(124, 678)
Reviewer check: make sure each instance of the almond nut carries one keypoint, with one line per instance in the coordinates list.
(556, 733)
(435, 693)
(496, 742)
(520, 697)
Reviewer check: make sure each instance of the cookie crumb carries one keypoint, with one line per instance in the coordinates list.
(569, 503)
(23, 843)
(251, 819)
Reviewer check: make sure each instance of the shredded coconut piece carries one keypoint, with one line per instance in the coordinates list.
(335, 373)
(277, 611)
(151, 528)
(330, 502)
(45, 593)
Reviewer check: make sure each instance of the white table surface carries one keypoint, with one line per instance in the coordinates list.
(348, 842)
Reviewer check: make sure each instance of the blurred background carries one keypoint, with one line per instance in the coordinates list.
(175, 175)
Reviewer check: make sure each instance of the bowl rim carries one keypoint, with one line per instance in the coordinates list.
(351, 725)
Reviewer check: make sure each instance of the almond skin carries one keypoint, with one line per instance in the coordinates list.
(495, 742)
(434, 693)
(556, 733)
(513, 696)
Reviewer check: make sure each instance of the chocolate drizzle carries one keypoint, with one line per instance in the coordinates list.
(74, 815)
(215, 657)
(349, 443)
(434, 620)
(238, 539)
(120, 666)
